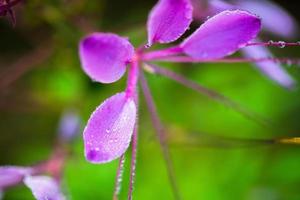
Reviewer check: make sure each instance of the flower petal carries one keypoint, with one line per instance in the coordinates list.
(222, 35)
(12, 175)
(109, 129)
(44, 187)
(271, 69)
(274, 18)
(168, 20)
(104, 56)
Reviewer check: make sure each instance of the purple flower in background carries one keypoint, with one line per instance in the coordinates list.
(105, 57)
(275, 20)
(44, 179)
(42, 187)
(6, 8)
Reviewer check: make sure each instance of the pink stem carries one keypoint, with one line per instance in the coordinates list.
(280, 44)
(186, 59)
(133, 162)
(160, 134)
(133, 150)
(119, 175)
(161, 53)
(132, 79)
(207, 92)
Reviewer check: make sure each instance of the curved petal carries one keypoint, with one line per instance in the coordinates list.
(168, 20)
(104, 56)
(222, 35)
(12, 175)
(274, 18)
(271, 69)
(108, 132)
(44, 187)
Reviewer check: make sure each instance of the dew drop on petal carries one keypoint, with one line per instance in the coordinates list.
(108, 132)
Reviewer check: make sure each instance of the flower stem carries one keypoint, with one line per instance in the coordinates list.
(133, 162)
(186, 59)
(119, 175)
(160, 134)
(280, 44)
(132, 79)
(207, 92)
(161, 53)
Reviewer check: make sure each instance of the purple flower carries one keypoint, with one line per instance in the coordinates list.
(275, 20)
(44, 179)
(69, 126)
(6, 8)
(42, 187)
(105, 57)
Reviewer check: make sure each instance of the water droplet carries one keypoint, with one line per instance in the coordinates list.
(207, 17)
(271, 42)
(281, 44)
(107, 131)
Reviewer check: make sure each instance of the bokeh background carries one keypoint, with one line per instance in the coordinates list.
(217, 153)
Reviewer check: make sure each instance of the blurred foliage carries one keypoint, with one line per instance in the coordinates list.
(31, 105)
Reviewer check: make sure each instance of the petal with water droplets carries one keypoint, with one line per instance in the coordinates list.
(12, 175)
(104, 56)
(222, 35)
(44, 187)
(168, 20)
(271, 69)
(108, 132)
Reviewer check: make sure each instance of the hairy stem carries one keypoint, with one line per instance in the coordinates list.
(133, 162)
(186, 59)
(118, 180)
(280, 44)
(207, 92)
(160, 134)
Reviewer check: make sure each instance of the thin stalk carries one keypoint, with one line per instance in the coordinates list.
(132, 79)
(186, 59)
(280, 44)
(134, 141)
(25, 64)
(161, 53)
(133, 162)
(207, 92)
(160, 132)
(118, 180)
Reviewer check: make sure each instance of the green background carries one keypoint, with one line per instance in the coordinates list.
(212, 146)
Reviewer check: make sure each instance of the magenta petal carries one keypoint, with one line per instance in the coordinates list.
(44, 187)
(168, 20)
(109, 129)
(274, 18)
(104, 56)
(222, 35)
(11, 175)
(271, 69)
